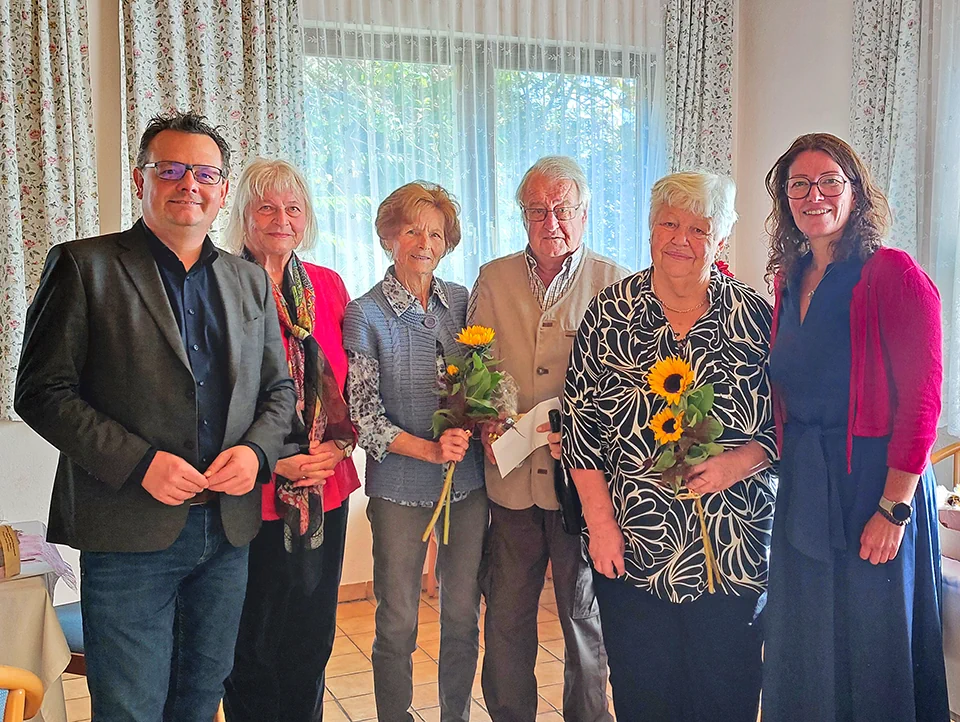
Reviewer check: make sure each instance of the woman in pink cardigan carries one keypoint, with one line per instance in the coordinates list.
(852, 622)
(289, 615)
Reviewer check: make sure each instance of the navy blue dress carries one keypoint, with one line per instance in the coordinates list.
(844, 640)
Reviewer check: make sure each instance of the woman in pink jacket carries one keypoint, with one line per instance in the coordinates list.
(852, 622)
(289, 616)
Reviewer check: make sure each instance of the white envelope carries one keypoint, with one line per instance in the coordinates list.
(519, 442)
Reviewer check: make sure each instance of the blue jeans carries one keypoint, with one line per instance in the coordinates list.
(398, 557)
(160, 627)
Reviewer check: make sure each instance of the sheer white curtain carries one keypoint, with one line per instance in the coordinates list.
(468, 95)
(940, 181)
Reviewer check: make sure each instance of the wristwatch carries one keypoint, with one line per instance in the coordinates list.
(896, 512)
(345, 446)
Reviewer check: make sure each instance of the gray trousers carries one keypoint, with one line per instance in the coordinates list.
(519, 543)
(398, 557)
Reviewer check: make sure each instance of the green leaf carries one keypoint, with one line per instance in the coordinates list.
(455, 388)
(712, 429)
(481, 406)
(712, 449)
(459, 361)
(692, 398)
(696, 455)
(441, 421)
(705, 400)
(692, 417)
(665, 460)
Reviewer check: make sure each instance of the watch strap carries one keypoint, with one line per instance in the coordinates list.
(887, 507)
(346, 446)
(889, 517)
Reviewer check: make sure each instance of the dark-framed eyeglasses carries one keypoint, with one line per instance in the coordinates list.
(830, 186)
(563, 213)
(171, 170)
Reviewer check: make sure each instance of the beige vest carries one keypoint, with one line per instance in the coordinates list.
(535, 348)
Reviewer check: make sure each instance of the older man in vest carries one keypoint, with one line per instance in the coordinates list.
(535, 300)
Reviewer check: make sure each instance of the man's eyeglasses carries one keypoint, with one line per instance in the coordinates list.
(171, 170)
(563, 213)
(830, 186)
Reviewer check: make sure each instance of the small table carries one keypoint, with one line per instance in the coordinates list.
(30, 634)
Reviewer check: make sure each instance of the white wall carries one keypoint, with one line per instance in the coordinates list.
(794, 64)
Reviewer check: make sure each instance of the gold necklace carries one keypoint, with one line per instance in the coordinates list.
(671, 308)
(827, 273)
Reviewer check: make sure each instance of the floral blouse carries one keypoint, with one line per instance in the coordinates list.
(608, 407)
(375, 432)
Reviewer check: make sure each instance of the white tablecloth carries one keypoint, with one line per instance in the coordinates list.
(31, 638)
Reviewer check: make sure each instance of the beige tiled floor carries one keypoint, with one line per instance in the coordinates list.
(349, 694)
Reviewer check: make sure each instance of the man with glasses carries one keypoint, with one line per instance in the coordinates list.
(535, 301)
(153, 362)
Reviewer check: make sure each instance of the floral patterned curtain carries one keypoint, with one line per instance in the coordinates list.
(48, 178)
(883, 104)
(699, 77)
(240, 63)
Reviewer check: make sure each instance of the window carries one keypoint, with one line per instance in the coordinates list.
(472, 115)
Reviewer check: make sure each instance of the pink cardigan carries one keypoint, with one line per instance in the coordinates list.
(896, 361)
(332, 299)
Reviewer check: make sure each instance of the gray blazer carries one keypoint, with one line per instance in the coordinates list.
(104, 376)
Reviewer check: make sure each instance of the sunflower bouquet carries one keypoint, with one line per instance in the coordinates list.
(472, 393)
(686, 434)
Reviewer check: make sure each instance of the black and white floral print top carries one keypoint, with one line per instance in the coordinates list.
(608, 406)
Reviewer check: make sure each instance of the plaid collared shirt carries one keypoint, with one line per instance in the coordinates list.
(547, 296)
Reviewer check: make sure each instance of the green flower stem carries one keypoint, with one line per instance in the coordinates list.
(444, 497)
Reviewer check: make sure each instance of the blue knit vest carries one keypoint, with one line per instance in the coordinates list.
(406, 348)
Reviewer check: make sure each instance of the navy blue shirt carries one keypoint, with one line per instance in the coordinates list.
(198, 308)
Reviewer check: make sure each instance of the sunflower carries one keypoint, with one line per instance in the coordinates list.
(476, 336)
(452, 370)
(667, 426)
(670, 378)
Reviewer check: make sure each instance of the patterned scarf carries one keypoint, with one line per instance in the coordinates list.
(321, 410)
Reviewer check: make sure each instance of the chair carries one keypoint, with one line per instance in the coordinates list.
(21, 694)
(72, 624)
(952, 450)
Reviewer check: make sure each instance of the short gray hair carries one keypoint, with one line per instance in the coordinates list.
(708, 195)
(557, 167)
(262, 176)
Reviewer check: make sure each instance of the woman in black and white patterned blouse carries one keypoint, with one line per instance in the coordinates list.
(676, 651)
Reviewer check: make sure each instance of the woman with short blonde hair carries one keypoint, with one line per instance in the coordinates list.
(289, 616)
(680, 632)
